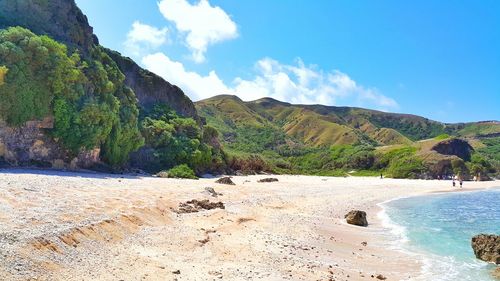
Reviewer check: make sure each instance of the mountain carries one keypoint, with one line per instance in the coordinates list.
(319, 125)
(67, 102)
(290, 136)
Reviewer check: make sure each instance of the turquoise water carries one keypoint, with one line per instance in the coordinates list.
(440, 228)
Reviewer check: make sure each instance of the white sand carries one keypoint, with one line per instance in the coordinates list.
(68, 226)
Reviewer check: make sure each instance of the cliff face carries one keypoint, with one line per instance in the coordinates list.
(65, 22)
(151, 89)
(62, 20)
(457, 147)
(30, 146)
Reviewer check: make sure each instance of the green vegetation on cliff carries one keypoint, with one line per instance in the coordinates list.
(90, 105)
(3, 72)
(174, 140)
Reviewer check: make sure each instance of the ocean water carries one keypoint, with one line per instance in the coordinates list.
(438, 229)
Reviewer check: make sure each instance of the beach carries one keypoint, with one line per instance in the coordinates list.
(85, 226)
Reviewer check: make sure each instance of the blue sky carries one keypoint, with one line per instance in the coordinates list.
(438, 59)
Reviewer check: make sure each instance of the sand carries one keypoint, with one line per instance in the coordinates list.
(82, 226)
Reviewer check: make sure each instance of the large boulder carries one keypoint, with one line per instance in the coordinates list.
(356, 217)
(487, 247)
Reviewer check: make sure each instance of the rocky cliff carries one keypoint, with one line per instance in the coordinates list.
(65, 22)
(457, 147)
(151, 89)
(28, 145)
(61, 20)
(31, 144)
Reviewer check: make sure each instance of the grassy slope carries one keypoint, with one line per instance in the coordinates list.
(309, 129)
(316, 125)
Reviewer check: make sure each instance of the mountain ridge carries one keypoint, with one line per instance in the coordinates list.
(367, 121)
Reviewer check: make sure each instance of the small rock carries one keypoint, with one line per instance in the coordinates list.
(268, 180)
(212, 192)
(176, 272)
(194, 206)
(356, 217)
(381, 277)
(225, 180)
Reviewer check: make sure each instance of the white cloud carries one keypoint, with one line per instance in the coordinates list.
(203, 24)
(299, 83)
(143, 38)
(296, 83)
(193, 84)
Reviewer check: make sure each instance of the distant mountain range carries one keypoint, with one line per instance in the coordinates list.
(320, 125)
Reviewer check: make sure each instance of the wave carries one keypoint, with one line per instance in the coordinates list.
(434, 267)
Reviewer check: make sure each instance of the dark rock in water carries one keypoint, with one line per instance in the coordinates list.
(457, 147)
(356, 217)
(268, 180)
(225, 180)
(487, 247)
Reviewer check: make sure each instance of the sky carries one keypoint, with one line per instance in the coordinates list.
(437, 59)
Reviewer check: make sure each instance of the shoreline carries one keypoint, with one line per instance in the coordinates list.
(400, 232)
(74, 226)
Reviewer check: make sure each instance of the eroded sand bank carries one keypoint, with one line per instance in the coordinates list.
(71, 226)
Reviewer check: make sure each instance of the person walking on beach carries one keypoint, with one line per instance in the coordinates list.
(461, 183)
(453, 182)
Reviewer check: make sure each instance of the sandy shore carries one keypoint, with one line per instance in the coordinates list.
(77, 226)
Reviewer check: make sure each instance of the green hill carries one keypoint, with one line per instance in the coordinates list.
(328, 140)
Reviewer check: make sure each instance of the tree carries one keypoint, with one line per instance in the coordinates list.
(87, 97)
(3, 73)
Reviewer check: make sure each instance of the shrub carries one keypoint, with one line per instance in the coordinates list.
(352, 156)
(406, 167)
(459, 168)
(442, 137)
(176, 140)
(182, 172)
(3, 72)
(249, 165)
(383, 160)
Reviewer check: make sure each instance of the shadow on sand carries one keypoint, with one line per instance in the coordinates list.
(64, 173)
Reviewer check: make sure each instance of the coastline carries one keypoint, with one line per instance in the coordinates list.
(431, 264)
(111, 227)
